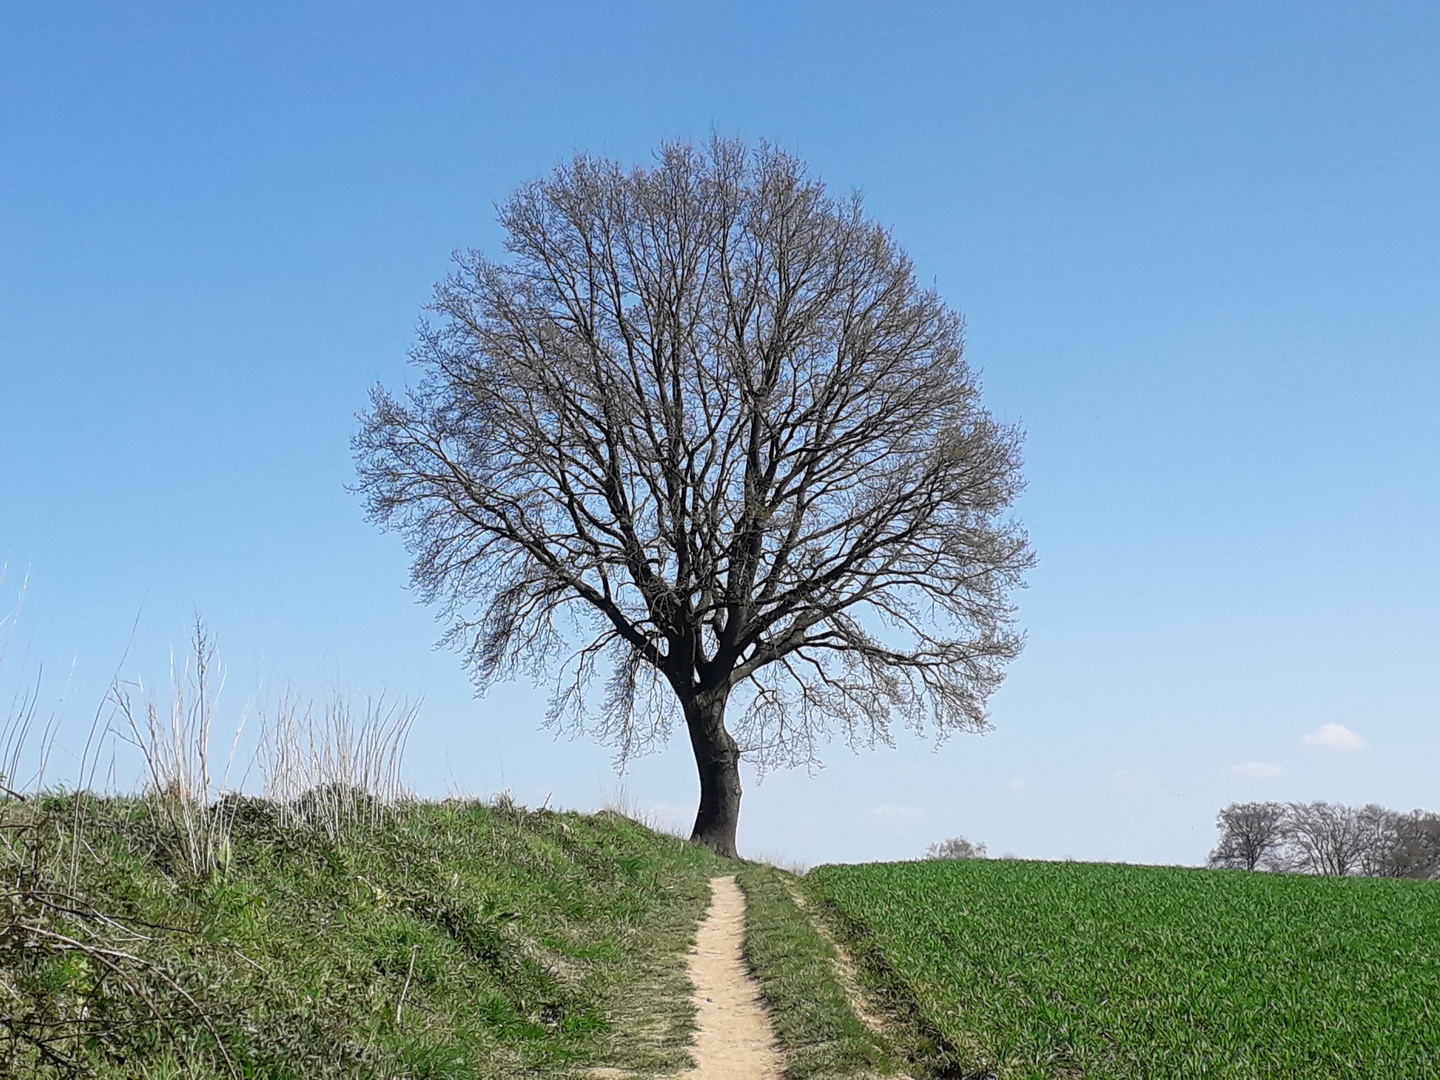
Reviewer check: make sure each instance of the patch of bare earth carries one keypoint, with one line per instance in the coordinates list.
(734, 1039)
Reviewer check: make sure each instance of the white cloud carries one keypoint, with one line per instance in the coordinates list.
(1257, 770)
(1334, 737)
(887, 812)
(1019, 784)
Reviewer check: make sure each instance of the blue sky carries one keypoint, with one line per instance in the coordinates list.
(1197, 246)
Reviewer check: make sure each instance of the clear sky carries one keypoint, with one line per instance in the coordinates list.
(1197, 246)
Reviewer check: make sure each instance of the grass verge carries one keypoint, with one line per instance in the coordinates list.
(1041, 970)
(795, 966)
(441, 940)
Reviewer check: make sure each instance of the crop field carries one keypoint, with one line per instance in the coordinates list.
(1030, 969)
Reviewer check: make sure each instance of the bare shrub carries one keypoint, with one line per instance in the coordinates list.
(957, 847)
(1250, 835)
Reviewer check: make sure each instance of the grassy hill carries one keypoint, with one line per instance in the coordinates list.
(430, 940)
(1031, 970)
(336, 937)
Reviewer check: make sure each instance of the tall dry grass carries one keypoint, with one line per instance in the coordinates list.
(336, 766)
(174, 740)
(331, 766)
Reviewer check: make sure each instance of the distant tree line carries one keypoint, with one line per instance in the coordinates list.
(1328, 838)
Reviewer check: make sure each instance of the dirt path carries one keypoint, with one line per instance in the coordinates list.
(734, 1040)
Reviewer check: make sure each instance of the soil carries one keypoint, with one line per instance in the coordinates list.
(734, 1038)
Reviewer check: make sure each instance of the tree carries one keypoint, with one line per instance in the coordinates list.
(1324, 838)
(704, 429)
(1379, 841)
(1250, 834)
(1417, 854)
(1329, 838)
(957, 847)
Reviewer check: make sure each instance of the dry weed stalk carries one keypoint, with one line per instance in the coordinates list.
(175, 744)
(331, 769)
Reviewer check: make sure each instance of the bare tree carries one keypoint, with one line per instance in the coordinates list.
(705, 429)
(957, 847)
(1417, 852)
(1379, 840)
(1324, 838)
(1250, 834)
(1328, 838)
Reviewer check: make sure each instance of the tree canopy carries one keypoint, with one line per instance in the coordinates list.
(701, 432)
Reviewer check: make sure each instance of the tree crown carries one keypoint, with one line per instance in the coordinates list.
(705, 410)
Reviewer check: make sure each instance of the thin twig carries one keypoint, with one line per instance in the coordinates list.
(108, 958)
(406, 989)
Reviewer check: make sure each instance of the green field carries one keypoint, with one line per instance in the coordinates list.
(1029, 969)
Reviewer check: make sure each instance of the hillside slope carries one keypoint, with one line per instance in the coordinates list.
(432, 940)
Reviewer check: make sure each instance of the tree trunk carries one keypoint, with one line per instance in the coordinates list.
(718, 760)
